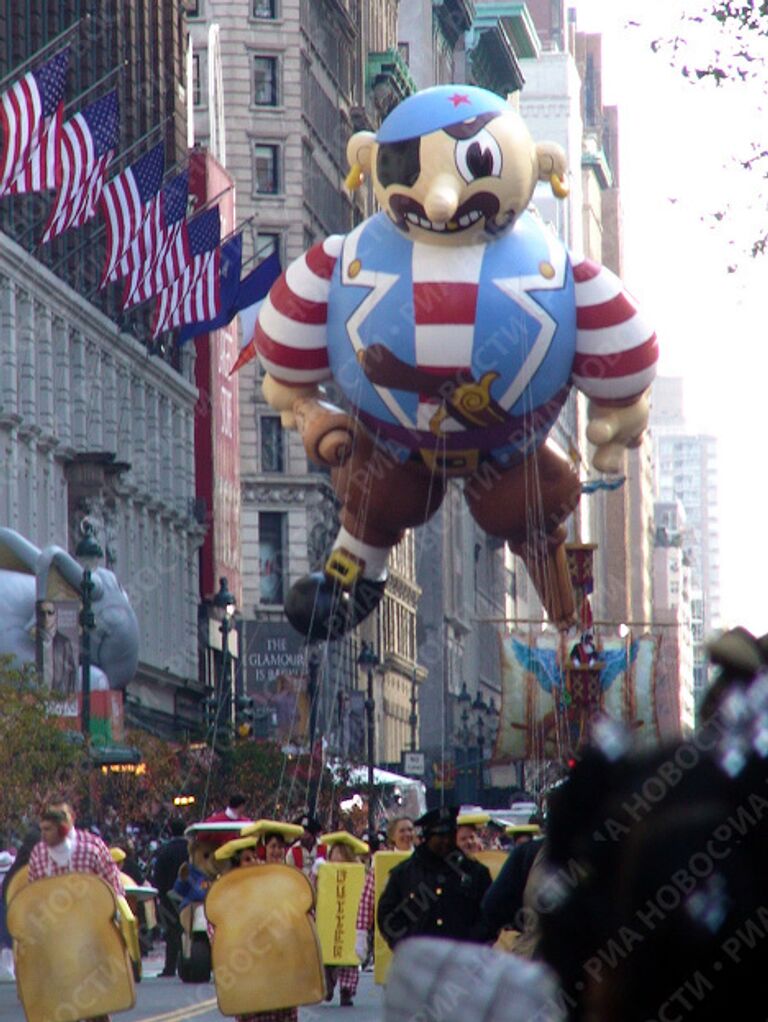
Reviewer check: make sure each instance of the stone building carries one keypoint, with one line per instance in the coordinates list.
(298, 78)
(90, 426)
(90, 422)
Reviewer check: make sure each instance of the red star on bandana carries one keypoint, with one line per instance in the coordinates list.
(458, 98)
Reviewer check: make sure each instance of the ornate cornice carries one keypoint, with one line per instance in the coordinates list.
(277, 492)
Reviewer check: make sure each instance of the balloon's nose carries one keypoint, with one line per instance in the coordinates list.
(442, 198)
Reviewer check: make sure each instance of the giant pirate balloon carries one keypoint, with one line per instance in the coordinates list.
(454, 322)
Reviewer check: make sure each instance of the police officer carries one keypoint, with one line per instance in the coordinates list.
(438, 890)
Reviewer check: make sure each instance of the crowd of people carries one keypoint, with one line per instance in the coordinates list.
(644, 894)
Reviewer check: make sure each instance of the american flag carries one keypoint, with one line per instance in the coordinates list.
(196, 294)
(125, 203)
(180, 247)
(88, 144)
(31, 113)
(163, 222)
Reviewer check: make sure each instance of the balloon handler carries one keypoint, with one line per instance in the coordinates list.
(454, 323)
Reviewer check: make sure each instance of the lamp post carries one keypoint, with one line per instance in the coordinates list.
(312, 665)
(223, 612)
(88, 553)
(369, 662)
(413, 720)
(464, 700)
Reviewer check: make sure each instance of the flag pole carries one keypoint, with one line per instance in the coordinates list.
(103, 226)
(56, 41)
(117, 69)
(202, 209)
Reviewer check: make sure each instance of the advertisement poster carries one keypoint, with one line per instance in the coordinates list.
(57, 642)
(274, 666)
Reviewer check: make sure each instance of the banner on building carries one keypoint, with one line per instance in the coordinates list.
(547, 702)
(275, 674)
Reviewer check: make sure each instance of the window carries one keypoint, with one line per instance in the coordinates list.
(271, 447)
(266, 244)
(271, 556)
(266, 169)
(265, 9)
(265, 81)
(193, 8)
(198, 99)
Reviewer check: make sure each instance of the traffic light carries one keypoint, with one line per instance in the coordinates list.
(244, 716)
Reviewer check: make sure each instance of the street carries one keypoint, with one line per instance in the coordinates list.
(170, 1000)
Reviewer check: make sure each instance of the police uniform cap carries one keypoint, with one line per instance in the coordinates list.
(118, 855)
(233, 847)
(260, 828)
(438, 821)
(473, 819)
(343, 837)
(438, 107)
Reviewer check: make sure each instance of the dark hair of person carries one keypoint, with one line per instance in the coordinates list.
(176, 826)
(656, 872)
(236, 800)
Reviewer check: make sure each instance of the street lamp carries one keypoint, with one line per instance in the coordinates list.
(88, 553)
(413, 720)
(312, 665)
(369, 662)
(223, 611)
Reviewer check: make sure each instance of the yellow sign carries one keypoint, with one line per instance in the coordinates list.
(383, 864)
(339, 886)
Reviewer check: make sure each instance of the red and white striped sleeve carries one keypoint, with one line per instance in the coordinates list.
(290, 333)
(616, 350)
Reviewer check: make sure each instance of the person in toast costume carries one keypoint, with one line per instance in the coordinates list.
(265, 945)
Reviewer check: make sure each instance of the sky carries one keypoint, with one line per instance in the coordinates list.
(680, 145)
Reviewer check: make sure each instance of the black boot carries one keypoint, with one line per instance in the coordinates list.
(321, 608)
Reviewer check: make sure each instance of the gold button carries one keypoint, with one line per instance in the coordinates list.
(354, 268)
(547, 270)
(439, 922)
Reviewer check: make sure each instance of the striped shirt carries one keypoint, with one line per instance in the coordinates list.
(89, 855)
(616, 351)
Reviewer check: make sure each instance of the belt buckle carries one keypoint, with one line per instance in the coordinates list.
(342, 567)
(451, 462)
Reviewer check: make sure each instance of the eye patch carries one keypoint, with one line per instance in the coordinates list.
(398, 163)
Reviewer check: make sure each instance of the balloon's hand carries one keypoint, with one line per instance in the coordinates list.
(613, 429)
(281, 397)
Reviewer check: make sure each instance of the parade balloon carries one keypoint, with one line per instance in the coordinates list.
(454, 323)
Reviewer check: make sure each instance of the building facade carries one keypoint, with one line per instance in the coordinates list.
(90, 426)
(298, 78)
(673, 608)
(686, 471)
(93, 424)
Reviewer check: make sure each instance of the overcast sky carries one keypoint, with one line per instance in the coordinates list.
(679, 149)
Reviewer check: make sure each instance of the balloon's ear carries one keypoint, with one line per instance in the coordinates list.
(359, 157)
(553, 167)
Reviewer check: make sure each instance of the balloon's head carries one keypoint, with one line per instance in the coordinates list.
(453, 165)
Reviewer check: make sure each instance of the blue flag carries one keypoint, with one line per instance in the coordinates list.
(236, 294)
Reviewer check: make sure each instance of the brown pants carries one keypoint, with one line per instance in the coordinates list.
(526, 502)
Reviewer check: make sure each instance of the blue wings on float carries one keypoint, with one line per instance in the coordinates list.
(593, 485)
(540, 662)
(615, 661)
